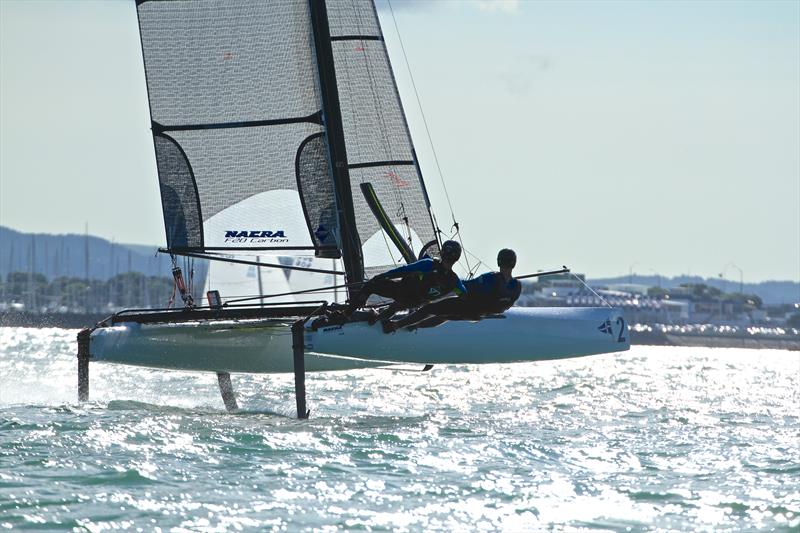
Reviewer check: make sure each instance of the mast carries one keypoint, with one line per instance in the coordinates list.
(351, 244)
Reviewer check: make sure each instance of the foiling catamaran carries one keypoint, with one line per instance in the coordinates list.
(279, 131)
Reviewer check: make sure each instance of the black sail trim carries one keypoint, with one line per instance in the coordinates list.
(381, 164)
(300, 185)
(194, 181)
(357, 38)
(424, 188)
(314, 118)
(182, 249)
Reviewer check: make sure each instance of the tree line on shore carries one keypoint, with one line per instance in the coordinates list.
(704, 292)
(34, 292)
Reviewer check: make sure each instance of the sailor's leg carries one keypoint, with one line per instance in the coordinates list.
(387, 288)
(381, 287)
(442, 307)
(226, 388)
(434, 321)
(417, 316)
(357, 299)
(389, 311)
(431, 322)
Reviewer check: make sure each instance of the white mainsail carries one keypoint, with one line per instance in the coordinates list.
(268, 118)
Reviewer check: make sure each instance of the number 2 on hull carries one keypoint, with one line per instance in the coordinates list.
(621, 322)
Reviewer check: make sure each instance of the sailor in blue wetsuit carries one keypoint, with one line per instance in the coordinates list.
(490, 293)
(494, 292)
(416, 283)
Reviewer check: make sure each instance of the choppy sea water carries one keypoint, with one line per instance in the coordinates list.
(656, 438)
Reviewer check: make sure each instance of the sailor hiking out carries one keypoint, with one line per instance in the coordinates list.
(490, 293)
(414, 284)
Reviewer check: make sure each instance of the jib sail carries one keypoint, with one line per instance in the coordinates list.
(379, 147)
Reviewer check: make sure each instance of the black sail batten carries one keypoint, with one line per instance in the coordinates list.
(382, 164)
(179, 250)
(357, 38)
(314, 118)
(350, 242)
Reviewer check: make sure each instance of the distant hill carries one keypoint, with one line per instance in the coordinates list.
(65, 255)
(770, 292)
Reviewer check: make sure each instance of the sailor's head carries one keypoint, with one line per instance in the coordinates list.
(451, 252)
(506, 259)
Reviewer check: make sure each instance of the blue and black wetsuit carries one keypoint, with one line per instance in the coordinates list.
(491, 293)
(413, 284)
(487, 294)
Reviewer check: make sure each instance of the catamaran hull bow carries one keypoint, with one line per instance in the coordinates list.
(521, 334)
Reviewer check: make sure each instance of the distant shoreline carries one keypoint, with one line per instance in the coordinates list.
(21, 319)
(641, 334)
(656, 337)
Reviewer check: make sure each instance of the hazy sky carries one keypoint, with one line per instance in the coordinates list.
(658, 136)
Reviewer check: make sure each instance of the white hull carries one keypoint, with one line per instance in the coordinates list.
(265, 346)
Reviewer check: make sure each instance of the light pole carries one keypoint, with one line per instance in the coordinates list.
(741, 275)
(630, 271)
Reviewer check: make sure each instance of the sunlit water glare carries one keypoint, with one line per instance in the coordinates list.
(655, 438)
